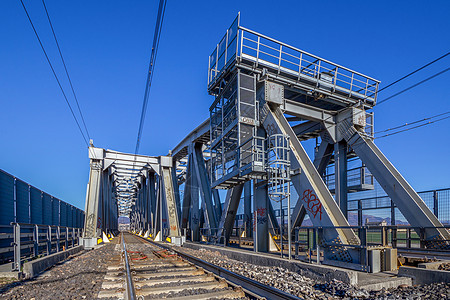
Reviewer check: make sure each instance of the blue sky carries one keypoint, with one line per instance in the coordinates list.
(107, 47)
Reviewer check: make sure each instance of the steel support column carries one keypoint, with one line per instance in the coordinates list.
(340, 173)
(321, 161)
(205, 186)
(169, 196)
(91, 223)
(398, 189)
(248, 208)
(260, 217)
(318, 201)
(230, 208)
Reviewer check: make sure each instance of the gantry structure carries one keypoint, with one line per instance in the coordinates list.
(268, 98)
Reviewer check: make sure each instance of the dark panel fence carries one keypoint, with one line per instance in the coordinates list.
(34, 223)
(23, 203)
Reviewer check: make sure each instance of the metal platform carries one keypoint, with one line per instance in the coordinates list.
(332, 84)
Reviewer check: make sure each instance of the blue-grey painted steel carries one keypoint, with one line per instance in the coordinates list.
(36, 206)
(22, 202)
(55, 211)
(6, 198)
(47, 209)
(63, 214)
(79, 220)
(70, 215)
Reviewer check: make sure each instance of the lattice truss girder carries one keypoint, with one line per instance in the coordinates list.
(127, 184)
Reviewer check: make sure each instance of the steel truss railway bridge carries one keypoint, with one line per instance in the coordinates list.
(268, 97)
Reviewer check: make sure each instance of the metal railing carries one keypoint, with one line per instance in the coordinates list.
(30, 241)
(310, 239)
(359, 176)
(243, 45)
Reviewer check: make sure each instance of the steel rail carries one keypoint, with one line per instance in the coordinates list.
(130, 293)
(254, 287)
(422, 253)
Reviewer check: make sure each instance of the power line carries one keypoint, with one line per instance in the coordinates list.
(414, 85)
(412, 123)
(65, 68)
(407, 129)
(415, 71)
(54, 73)
(404, 130)
(156, 38)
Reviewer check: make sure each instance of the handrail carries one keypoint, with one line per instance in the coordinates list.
(305, 52)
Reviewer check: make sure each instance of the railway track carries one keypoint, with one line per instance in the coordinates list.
(141, 270)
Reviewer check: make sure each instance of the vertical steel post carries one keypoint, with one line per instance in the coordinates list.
(408, 238)
(17, 246)
(394, 237)
(340, 155)
(239, 233)
(289, 221)
(281, 227)
(260, 216)
(435, 204)
(36, 240)
(67, 238)
(248, 208)
(49, 240)
(360, 214)
(392, 213)
(58, 239)
(93, 201)
(363, 238)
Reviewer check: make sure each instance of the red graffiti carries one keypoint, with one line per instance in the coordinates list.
(313, 204)
(173, 227)
(261, 211)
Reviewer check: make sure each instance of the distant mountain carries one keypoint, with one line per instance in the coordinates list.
(353, 220)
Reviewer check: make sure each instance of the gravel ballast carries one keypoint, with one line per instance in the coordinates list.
(79, 277)
(307, 288)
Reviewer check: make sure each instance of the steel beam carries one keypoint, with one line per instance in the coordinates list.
(91, 225)
(340, 173)
(398, 189)
(176, 191)
(205, 186)
(201, 133)
(170, 202)
(230, 208)
(260, 217)
(308, 112)
(318, 201)
(321, 161)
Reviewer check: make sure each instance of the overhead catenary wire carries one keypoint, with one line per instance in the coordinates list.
(404, 77)
(151, 67)
(65, 68)
(414, 127)
(54, 73)
(412, 123)
(397, 132)
(414, 85)
(415, 71)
